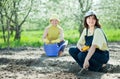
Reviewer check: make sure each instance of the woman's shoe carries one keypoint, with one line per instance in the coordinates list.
(107, 68)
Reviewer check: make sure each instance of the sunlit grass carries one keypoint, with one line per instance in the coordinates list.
(72, 36)
(34, 38)
(113, 35)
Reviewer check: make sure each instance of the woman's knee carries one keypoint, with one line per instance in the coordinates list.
(81, 56)
(72, 50)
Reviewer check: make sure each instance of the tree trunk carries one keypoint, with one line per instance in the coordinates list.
(8, 36)
(19, 25)
(80, 28)
(3, 28)
(85, 5)
(17, 33)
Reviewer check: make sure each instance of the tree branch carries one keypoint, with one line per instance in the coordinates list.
(26, 14)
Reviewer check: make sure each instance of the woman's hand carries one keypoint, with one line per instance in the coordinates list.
(55, 41)
(89, 55)
(46, 41)
(86, 64)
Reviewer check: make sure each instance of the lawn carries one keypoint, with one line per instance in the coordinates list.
(34, 38)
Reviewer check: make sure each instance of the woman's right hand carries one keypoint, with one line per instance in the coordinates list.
(86, 64)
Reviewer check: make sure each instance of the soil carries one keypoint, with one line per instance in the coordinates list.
(32, 63)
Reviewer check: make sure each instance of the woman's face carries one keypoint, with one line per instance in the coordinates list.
(91, 21)
(54, 22)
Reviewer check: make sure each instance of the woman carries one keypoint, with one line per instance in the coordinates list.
(91, 51)
(54, 33)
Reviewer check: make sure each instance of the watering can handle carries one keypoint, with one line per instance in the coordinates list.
(64, 44)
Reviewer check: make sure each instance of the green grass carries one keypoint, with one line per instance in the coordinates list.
(28, 38)
(34, 38)
(72, 36)
(113, 35)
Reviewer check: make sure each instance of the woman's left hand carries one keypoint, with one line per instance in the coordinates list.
(86, 64)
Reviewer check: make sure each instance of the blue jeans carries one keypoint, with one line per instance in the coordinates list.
(97, 60)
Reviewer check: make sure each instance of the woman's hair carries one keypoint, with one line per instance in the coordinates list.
(96, 24)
